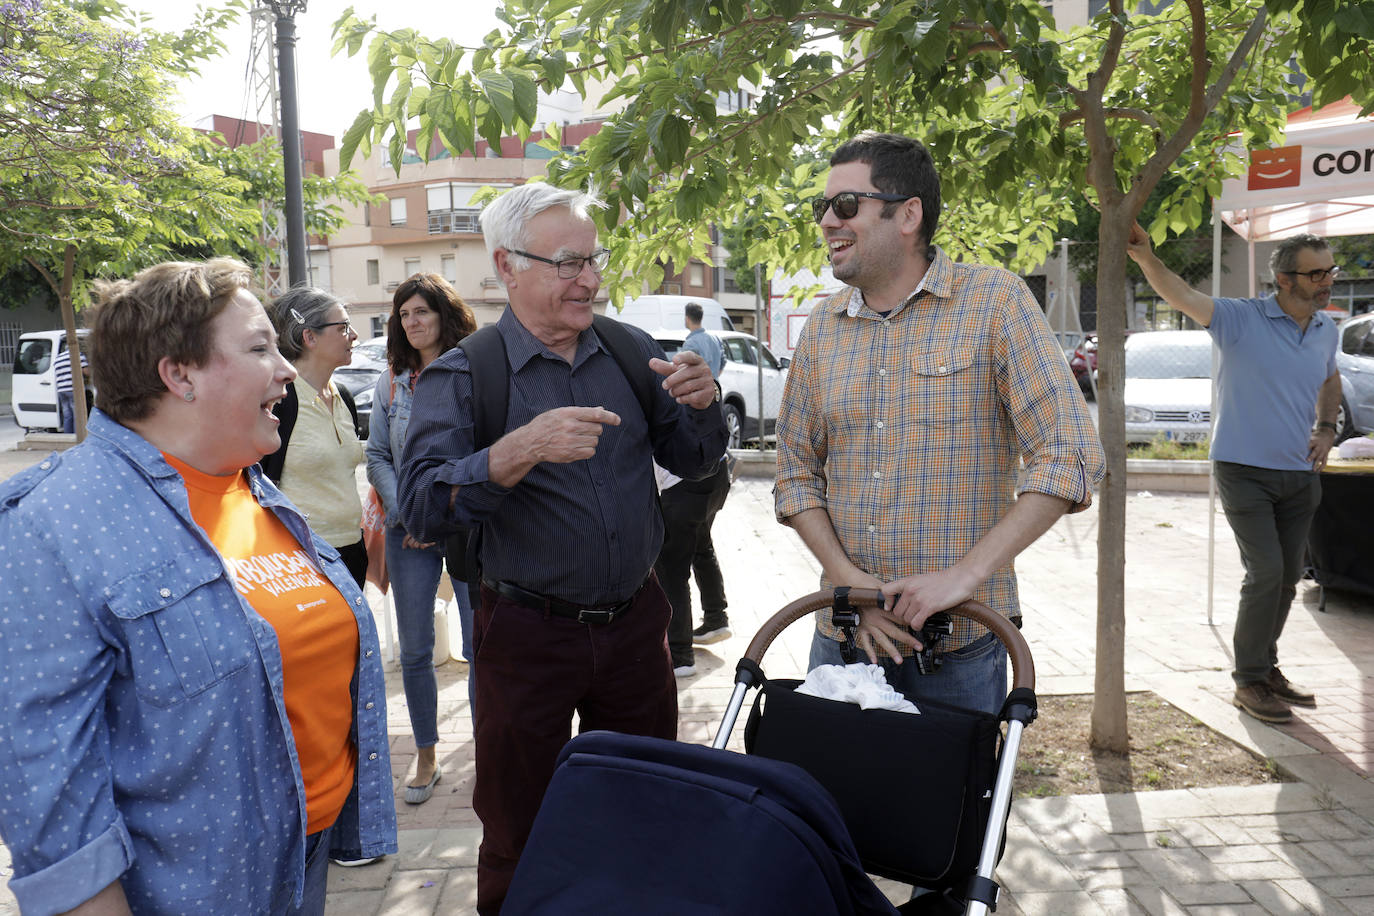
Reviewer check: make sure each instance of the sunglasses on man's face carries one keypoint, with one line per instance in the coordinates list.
(846, 203)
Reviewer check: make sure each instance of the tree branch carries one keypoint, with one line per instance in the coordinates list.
(745, 125)
(1131, 114)
(1202, 101)
(1101, 172)
(45, 274)
(996, 40)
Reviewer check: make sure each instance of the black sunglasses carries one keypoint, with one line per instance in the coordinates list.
(1314, 276)
(846, 203)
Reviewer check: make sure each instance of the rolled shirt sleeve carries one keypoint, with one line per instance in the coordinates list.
(1059, 445)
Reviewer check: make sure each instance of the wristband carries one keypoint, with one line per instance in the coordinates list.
(1323, 424)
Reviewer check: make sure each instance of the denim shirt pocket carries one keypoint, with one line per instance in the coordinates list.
(183, 626)
(943, 388)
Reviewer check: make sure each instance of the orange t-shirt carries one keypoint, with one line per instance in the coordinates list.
(316, 630)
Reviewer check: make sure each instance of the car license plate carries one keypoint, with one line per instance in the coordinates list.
(1186, 436)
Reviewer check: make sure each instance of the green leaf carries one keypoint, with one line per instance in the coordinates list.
(526, 96)
(499, 90)
(362, 127)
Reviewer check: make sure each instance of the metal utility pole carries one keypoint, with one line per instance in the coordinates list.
(265, 107)
(298, 265)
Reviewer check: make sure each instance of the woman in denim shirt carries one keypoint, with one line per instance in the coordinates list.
(427, 318)
(194, 707)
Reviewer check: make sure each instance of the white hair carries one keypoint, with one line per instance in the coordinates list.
(505, 221)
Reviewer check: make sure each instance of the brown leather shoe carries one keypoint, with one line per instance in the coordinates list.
(1259, 701)
(1289, 692)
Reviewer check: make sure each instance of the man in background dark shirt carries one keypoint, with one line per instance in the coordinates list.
(571, 617)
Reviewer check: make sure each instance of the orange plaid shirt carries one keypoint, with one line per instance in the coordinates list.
(915, 431)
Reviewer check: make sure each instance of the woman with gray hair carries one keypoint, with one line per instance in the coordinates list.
(321, 447)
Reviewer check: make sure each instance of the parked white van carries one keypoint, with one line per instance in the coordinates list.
(653, 313)
(33, 394)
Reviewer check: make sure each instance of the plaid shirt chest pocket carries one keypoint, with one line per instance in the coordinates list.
(943, 388)
(183, 634)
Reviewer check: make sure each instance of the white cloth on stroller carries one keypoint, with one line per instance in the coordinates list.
(857, 683)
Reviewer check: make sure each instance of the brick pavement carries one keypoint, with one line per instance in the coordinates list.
(1289, 848)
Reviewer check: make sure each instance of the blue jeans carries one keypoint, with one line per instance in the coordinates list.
(414, 582)
(316, 874)
(974, 677)
(66, 411)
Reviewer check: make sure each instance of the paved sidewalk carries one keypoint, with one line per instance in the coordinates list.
(1298, 847)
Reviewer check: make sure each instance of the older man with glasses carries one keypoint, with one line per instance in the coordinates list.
(1277, 378)
(571, 618)
(912, 401)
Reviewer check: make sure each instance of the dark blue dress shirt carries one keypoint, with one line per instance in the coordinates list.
(585, 531)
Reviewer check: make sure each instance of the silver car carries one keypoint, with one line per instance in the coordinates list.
(739, 381)
(1355, 360)
(1168, 386)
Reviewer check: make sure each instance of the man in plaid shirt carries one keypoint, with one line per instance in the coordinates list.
(930, 429)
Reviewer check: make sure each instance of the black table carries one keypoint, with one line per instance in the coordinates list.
(1340, 545)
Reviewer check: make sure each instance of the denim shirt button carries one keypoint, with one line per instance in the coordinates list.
(165, 592)
(372, 756)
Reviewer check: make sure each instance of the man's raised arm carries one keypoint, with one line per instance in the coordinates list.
(1174, 289)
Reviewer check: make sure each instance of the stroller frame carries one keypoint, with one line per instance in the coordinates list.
(1018, 712)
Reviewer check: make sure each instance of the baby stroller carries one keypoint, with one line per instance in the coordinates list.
(827, 794)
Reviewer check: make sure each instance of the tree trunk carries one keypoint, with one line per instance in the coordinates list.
(1108, 731)
(64, 296)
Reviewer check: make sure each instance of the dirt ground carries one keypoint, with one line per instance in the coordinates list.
(1169, 749)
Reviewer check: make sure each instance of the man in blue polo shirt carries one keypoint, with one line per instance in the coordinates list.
(1277, 375)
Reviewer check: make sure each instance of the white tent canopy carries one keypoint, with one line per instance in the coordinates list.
(1320, 181)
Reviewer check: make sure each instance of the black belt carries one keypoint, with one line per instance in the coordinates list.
(558, 607)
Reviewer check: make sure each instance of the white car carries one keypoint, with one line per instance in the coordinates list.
(739, 382)
(33, 393)
(1168, 386)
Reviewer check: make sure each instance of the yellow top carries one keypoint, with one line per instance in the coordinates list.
(319, 474)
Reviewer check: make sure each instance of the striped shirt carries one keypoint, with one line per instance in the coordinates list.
(62, 370)
(916, 430)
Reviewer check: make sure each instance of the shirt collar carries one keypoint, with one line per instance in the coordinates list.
(1272, 309)
(522, 346)
(938, 281)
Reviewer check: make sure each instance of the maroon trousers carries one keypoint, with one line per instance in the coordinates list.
(533, 671)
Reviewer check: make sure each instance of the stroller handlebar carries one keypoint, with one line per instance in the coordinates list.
(1022, 664)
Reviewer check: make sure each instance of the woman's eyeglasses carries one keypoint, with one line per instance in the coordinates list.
(345, 324)
(846, 203)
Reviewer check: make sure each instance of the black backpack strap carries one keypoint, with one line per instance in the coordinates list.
(347, 397)
(490, 372)
(621, 344)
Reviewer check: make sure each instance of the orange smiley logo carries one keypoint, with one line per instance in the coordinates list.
(1275, 168)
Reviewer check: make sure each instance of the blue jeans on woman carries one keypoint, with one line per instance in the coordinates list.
(414, 576)
(316, 874)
